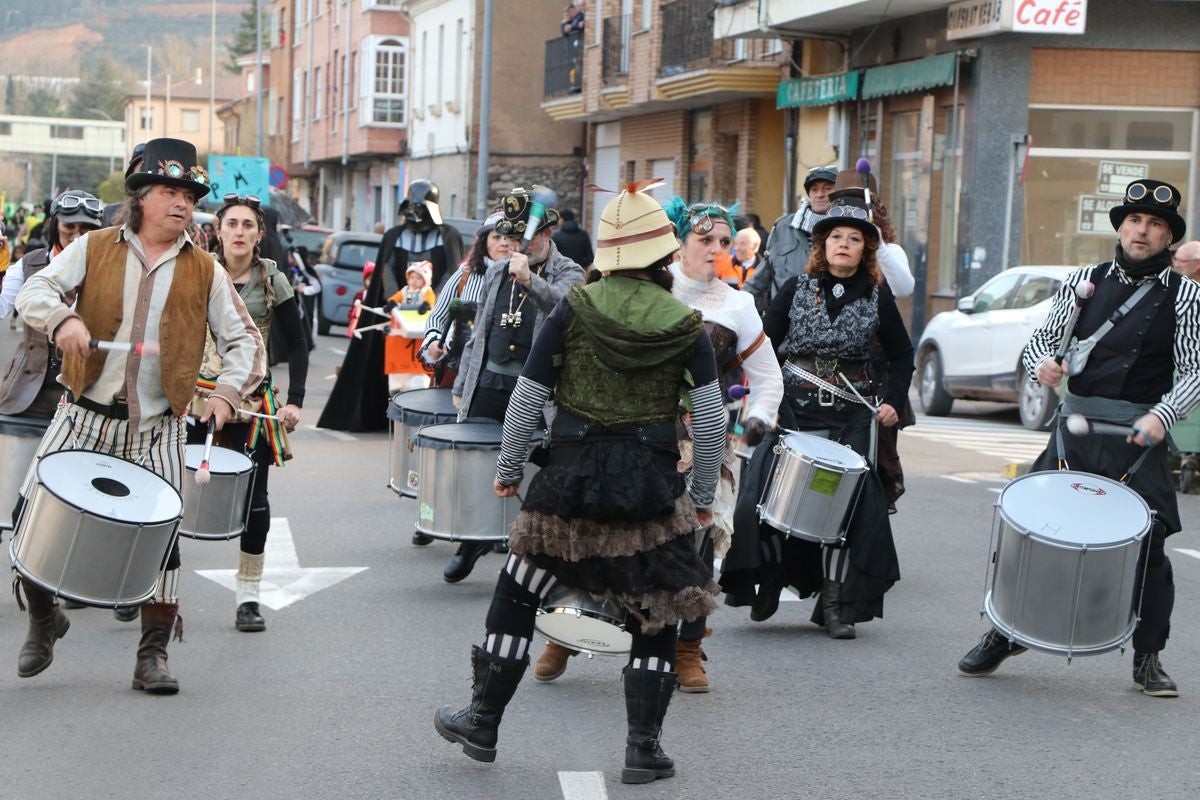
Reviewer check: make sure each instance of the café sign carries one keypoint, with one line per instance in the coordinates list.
(970, 19)
(823, 91)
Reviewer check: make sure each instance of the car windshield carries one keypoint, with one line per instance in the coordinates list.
(1034, 290)
(312, 240)
(352, 255)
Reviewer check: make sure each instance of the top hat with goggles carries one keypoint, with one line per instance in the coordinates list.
(516, 206)
(171, 162)
(849, 208)
(1148, 196)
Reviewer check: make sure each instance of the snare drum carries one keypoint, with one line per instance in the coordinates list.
(19, 440)
(459, 504)
(814, 488)
(219, 509)
(1064, 559)
(407, 412)
(96, 529)
(577, 620)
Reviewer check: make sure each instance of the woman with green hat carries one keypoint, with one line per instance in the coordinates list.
(609, 514)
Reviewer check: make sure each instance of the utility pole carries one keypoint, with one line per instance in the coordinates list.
(212, 74)
(146, 114)
(258, 130)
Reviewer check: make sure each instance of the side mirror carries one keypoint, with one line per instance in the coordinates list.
(967, 304)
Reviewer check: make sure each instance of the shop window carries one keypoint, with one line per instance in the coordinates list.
(1080, 161)
(950, 164)
(904, 177)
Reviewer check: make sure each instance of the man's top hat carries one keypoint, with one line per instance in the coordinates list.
(171, 162)
(1149, 196)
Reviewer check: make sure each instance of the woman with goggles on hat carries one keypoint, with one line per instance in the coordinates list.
(609, 513)
(30, 387)
(823, 324)
(267, 295)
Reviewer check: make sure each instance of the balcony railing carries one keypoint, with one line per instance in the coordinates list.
(615, 61)
(564, 65)
(688, 44)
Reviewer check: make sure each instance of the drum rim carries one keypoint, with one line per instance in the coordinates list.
(1041, 537)
(39, 483)
(861, 467)
(189, 468)
(1009, 632)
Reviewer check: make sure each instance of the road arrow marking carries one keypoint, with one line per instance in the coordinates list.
(1187, 552)
(284, 580)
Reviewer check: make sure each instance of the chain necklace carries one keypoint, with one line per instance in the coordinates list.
(514, 317)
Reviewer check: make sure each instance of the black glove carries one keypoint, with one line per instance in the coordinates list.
(389, 305)
(753, 432)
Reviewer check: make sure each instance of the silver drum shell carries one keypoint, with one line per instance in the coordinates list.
(809, 497)
(218, 510)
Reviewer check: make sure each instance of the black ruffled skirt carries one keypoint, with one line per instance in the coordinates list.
(609, 515)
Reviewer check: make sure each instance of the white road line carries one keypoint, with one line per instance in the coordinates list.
(1188, 552)
(582, 785)
(994, 489)
(331, 376)
(337, 352)
(957, 479)
(341, 437)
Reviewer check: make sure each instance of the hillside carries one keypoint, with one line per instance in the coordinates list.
(56, 37)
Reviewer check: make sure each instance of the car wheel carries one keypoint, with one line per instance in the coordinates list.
(935, 400)
(1037, 403)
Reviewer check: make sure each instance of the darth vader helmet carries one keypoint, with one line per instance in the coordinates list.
(420, 207)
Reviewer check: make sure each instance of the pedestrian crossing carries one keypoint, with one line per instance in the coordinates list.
(1010, 442)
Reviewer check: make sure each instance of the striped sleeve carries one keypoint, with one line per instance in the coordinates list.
(708, 442)
(520, 421)
(436, 325)
(1045, 340)
(1184, 396)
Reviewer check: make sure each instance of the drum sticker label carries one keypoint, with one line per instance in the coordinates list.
(825, 481)
(413, 481)
(1084, 488)
(426, 512)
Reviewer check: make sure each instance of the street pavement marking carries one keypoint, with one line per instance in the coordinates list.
(582, 785)
(1188, 552)
(284, 581)
(337, 351)
(957, 479)
(989, 438)
(341, 437)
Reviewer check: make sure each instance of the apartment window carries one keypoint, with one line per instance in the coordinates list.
(423, 77)
(459, 39)
(297, 104)
(383, 5)
(319, 94)
(384, 81)
(441, 61)
(250, 76)
(281, 113)
(272, 114)
(595, 21)
(189, 120)
(66, 132)
(647, 13)
(147, 118)
(274, 28)
(353, 79)
(296, 26)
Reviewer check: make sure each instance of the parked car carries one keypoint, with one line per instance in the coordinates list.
(340, 273)
(974, 353)
(310, 237)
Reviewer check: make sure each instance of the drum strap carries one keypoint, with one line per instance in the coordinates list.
(740, 358)
(819, 382)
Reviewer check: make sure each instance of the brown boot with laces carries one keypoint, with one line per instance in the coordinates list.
(552, 662)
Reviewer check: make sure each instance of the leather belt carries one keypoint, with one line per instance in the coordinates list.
(115, 410)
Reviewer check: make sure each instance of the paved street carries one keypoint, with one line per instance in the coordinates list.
(335, 700)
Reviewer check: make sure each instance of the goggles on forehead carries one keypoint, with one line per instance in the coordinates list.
(511, 227)
(1136, 192)
(848, 211)
(70, 202)
(701, 219)
(235, 199)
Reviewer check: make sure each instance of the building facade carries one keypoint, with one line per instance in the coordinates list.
(1002, 131)
(181, 108)
(664, 98)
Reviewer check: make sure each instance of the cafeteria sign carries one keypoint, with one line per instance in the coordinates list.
(822, 91)
(1093, 214)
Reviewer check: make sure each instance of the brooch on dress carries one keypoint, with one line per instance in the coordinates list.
(838, 290)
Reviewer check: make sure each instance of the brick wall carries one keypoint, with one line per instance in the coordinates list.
(655, 136)
(1115, 77)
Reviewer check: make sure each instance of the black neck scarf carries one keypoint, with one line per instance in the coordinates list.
(1139, 270)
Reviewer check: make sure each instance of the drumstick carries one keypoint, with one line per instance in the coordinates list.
(202, 475)
(358, 332)
(1079, 425)
(846, 381)
(1083, 290)
(256, 414)
(147, 349)
(378, 311)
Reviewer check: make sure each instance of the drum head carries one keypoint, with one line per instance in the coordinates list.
(824, 451)
(460, 436)
(110, 487)
(221, 461)
(423, 406)
(1075, 508)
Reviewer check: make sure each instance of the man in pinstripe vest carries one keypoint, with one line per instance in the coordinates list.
(1143, 372)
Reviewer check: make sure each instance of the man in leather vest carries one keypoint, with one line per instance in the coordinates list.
(1142, 375)
(144, 283)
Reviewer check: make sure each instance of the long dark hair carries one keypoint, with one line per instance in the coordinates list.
(478, 250)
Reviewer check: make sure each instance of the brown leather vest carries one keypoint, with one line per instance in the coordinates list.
(26, 372)
(181, 329)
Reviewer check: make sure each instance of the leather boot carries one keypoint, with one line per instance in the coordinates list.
(766, 599)
(830, 593)
(463, 560)
(552, 662)
(689, 665)
(47, 624)
(647, 694)
(476, 726)
(159, 620)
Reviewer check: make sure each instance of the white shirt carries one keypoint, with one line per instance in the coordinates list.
(893, 263)
(14, 277)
